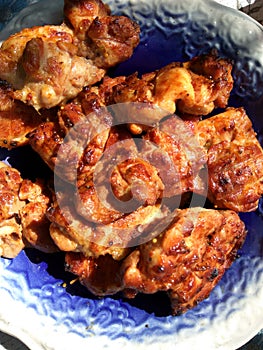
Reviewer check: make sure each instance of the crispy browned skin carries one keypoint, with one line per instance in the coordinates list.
(235, 160)
(22, 215)
(11, 241)
(187, 260)
(80, 14)
(174, 150)
(17, 119)
(48, 65)
(35, 224)
(45, 69)
(195, 87)
(83, 112)
(71, 232)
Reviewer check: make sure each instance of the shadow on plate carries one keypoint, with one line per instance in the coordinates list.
(157, 304)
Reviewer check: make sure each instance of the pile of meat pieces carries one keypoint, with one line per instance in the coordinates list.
(161, 243)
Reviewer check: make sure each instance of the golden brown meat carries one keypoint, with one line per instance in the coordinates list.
(48, 65)
(17, 119)
(35, 225)
(71, 232)
(22, 214)
(80, 14)
(85, 113)
(235, 160)
(11, 241)
(120, 182)
(195, 87)
(42, 65)
(186, 260)
(174, 150)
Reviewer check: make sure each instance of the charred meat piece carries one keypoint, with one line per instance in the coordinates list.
(194, 88)
(188, 259)
(174, 150)
(235, 160)
(71, 232)
(17, 119)
(23, 214)
(49, 65)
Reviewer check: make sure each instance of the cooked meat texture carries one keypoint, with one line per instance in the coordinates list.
(17, 119)
(22, 215)
(79, 14)
(42, 65)
(85, 116)
(174, 150)
(119, 183)
(48, 65)
(110, 40)
(235, 160)
(46, 140)
(105, 39)
(217, 69)
(71, 232)
(11, 241)
(195, 87)
(101, 276)
(35, 225)
(188, 259)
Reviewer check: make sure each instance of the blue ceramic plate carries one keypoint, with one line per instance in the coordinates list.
(35, 304)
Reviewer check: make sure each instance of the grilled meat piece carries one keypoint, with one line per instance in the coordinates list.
(50, 64)
(195, 87)
(35, 224)
(71, 232)
(174, 150)
(79, 14)
(22, 214)
(43, 67)
(235, 160)
(11, 241)
(17, 119)
(188, 259)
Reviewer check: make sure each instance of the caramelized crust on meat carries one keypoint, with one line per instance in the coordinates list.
(195, 87)
(22, 214)
(49, 65)
(35, 224)
(188, 259)
(11, 242)
(81, 13)
(71, 232)
(85, 117)
(46, 140)
(43, 66)
(17, 119)
(174, 150)
(111, 40)
(235, 160)
(217, 69)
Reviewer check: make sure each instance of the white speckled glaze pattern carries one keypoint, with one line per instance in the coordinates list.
(36, 307)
